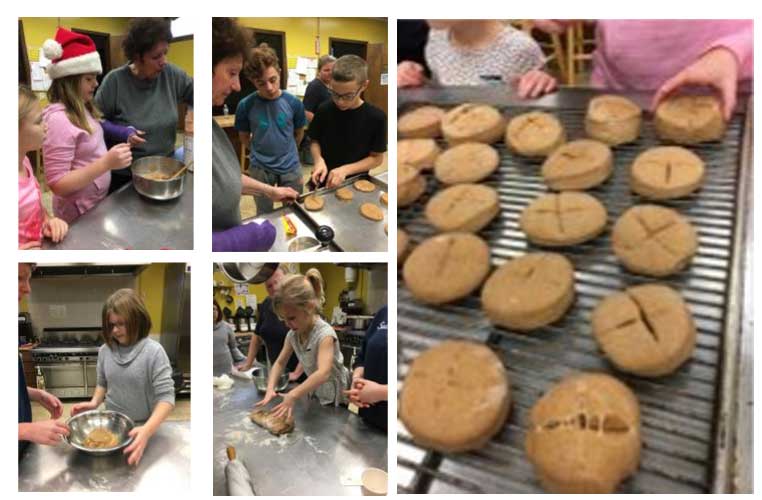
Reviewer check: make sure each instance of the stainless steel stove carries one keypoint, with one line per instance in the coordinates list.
(67, 359)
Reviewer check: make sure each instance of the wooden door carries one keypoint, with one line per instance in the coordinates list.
(377, 94)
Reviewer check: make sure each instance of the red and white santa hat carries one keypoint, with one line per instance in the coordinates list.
(71, 54)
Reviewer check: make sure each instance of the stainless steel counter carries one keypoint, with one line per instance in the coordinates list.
(127, 220)
(303, 228)
(329, 448)
(353, 232)
(165, 466)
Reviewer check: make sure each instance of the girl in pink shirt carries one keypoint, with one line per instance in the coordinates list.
(77, 164)
(663, 55)
(34, 222)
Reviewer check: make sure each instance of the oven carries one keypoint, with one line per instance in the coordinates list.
(67, 359)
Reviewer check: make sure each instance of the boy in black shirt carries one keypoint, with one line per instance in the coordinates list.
(348, 134)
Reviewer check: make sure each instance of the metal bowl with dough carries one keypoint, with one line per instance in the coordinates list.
(81, 425)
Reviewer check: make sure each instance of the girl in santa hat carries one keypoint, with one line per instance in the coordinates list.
(34, 221)
(77, 164)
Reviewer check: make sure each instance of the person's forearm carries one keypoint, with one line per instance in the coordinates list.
(363, 165)
(298, 370)
(24, 431)
(160, 412)
(251, 355)
(254, 187)
(315, 151)
(98, 396)
(34, 394)
(275, 371)
(309, 114)
(299, 135)
(79, 178)
(358, 372)
(313, 382)
(381, 393)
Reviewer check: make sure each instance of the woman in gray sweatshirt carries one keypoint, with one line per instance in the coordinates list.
(225, 351)
(134, 374)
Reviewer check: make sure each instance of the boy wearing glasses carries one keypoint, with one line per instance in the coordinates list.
(272, 122)
(348, 134)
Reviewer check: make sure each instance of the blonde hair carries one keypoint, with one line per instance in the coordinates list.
(305, 291)
(127, 304)
(66, 91)
(27, 102)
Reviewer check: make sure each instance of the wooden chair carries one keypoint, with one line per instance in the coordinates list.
(579, 51)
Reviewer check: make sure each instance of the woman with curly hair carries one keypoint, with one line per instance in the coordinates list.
(145, 91)
(230, 47)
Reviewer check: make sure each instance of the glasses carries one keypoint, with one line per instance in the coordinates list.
(344, 97)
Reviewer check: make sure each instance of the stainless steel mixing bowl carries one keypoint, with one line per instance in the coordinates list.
(82, 424)
(157, 189)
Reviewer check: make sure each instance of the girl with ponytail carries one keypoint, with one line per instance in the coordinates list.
(298, 302)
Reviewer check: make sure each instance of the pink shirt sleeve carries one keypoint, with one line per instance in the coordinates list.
(741, 44)
(59, 147)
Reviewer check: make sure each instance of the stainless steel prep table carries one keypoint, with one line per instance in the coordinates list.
(328, 445)
(165, 466)
(352, 231)
(696, 423)
(127, 220)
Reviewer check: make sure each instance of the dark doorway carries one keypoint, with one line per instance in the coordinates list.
(102, 43)
(342, 47)
(25, 70)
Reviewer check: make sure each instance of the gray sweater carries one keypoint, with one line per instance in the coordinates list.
(148, 105)
(224, 349)
(226, 182)
(135, 377)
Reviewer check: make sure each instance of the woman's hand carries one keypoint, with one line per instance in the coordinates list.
(136, 139)
(319, 171)
(285, 408)
(354, 394)
(82, 407)
(140, 436)
(336, 177)
(269, 395)
(118, 156)
(294, 376)
(283, 194)
(51, 403)
(410, 74)
(55, 229)
(47, 432)
(717, 68)
(535, 83)
(366, 392)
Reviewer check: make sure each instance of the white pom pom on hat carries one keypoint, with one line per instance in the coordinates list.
(52, 49)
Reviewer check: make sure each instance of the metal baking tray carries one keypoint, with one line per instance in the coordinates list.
(688, 418)
(352, 231)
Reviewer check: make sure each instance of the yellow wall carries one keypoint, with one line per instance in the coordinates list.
(150, 284)
(333, 275)
(181, 54)
(301, 32)
(39, 29)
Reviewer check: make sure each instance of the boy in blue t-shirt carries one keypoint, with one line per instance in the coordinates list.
(272, 122)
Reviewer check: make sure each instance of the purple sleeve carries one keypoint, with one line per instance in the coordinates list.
(245, 238)
(116, 133)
